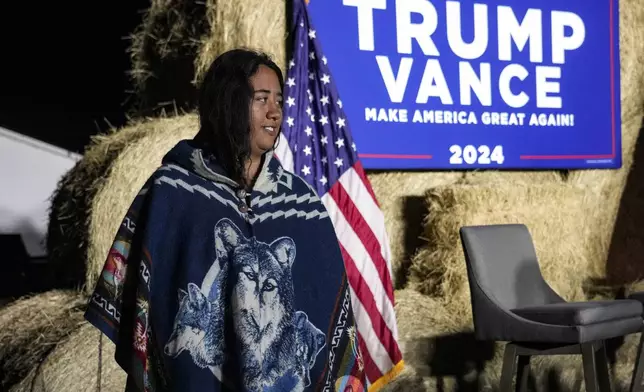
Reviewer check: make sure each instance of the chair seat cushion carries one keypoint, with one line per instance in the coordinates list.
(581, 313)
(637, 296)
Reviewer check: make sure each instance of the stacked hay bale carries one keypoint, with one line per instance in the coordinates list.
(163, 51)
(30, 328)
(260, 24)
(92, 198)
(550, 210)
(83, 361)
(71, 206)
(178, 39)
(400, 195)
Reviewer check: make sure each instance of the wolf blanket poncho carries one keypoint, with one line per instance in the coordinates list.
(208, 289)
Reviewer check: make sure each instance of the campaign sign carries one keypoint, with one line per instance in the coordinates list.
(488, 84)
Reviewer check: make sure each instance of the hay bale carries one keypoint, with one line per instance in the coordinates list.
(401, 198)
(512, 177)
(31, 326)
(257, 24)
(69, 215)
(561, 218)
(626, 239)
(407, 381)
(400, 195)
(74, 366)
(421, 320)
(623, 191)
(618, 216)
(135, 162)
(163, 51)
(178, 39)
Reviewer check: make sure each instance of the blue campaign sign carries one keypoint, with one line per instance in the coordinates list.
(512, 84)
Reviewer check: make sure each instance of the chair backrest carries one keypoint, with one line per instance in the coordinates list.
(502, 264)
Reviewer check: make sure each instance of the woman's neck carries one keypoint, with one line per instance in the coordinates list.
(253, 167)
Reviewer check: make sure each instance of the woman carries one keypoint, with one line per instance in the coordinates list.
(230, 274)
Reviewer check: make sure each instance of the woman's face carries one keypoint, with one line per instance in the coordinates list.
(266, 110)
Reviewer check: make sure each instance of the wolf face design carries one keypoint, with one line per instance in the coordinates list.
(308, 344)
(197, 329)
(262, 294)
(251, 283)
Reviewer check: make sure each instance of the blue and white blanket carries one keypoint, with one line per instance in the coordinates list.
(208, 289)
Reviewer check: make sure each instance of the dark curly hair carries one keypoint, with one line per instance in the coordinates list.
(225, 100)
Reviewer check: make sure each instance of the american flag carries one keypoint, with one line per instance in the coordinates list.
(316, 144)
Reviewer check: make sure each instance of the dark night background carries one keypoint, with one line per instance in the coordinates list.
(64, 67)
(63, 78)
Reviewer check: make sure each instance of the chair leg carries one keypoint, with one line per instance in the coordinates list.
(523, 373)
(590, 367)
(638, 371)
(603, 375)
(509, 367)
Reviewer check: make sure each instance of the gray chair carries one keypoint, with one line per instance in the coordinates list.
(638, 370)
(511, 302)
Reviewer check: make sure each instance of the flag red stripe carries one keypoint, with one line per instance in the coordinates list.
(361, 289)
(364, 232)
